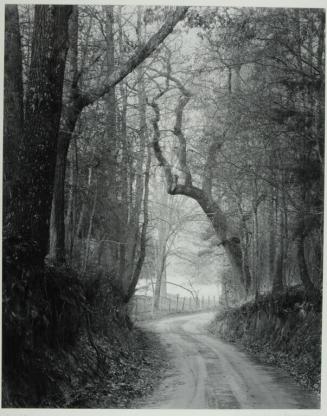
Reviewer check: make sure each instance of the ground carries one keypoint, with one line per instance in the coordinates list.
(206, 372)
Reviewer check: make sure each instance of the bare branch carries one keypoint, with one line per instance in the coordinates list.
(182, 152)
(140, 55)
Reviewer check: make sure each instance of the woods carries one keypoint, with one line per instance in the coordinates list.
(116, 120)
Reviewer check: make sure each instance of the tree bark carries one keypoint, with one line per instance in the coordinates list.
(57, 251)
(110, 108)
(37, 156)
(13, 119)
(300, 235)
(70, 218)
(142, 254)
(244, 245)
(304, 273)
(165, 209)
(133, 234)
(124, 214)
(89, 232)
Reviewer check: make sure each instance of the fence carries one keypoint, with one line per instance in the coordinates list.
(141, 306)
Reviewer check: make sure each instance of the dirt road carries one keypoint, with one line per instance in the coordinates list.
(206, 372)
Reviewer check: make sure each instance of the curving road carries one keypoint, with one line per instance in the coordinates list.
(206, 372)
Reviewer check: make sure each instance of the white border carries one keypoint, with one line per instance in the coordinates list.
(178, 412)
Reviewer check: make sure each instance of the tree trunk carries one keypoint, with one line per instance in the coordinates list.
(13, 117)
(160, 275)
(165, 209)
(133, 228)
(70, 214)
(42, 117)
(300, 235)
(142, 254)
(304, 273)
(244, 245)
(124, 185)
(111, 96)
(278, 270)
(89, 232)
(57, 249)
(84, 203)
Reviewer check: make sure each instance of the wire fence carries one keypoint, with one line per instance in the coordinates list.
(141, 307)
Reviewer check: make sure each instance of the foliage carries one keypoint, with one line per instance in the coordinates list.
(281, 329)
(68, 340)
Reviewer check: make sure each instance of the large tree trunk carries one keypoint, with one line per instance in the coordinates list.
(111, 96)
(57, 251)
(124, 186)
(112, 184)
(42, 117)
(13, 118)
(132, 241)
(125, 164)
(320, 121)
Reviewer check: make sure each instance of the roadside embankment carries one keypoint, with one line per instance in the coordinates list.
(283, 330)
(68, 342)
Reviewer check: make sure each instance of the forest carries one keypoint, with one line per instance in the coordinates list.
(123, 124)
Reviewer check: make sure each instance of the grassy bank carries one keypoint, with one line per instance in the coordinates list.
(283, 330)
(68, 342)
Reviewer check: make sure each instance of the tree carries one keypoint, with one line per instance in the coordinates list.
(13, 109)
(228, 239)
(37, 153)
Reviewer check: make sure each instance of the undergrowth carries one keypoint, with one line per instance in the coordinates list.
(284, 330)
(68, 340)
